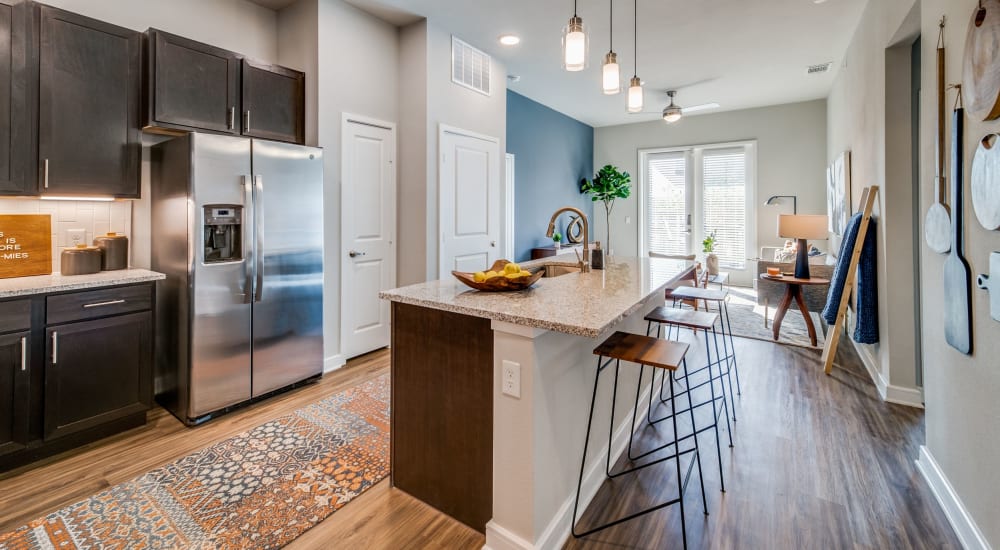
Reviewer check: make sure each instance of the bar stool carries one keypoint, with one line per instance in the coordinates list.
(658, 354)
(720, 298)
(705, 322)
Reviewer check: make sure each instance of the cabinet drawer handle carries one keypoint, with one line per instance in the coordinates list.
(55, 347)
(45, 173)
(102, 304)
(24, 353)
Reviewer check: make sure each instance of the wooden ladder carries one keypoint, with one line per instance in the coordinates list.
(833, 336)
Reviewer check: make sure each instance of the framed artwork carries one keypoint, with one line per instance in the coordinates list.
(838, 193)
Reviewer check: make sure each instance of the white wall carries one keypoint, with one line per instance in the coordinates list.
(875, 74)
(428, 45)
(960, 392)
(791, 160)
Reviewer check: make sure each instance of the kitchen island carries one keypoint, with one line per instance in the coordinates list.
(502, 456)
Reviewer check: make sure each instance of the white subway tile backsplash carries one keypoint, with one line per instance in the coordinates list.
(96, 218)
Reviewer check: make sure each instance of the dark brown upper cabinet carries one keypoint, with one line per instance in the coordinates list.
(191, 86)
(89, 86)
(15, 178)
(195, 87)
(273, 102)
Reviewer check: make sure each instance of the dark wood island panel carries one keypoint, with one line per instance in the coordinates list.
(442, 411)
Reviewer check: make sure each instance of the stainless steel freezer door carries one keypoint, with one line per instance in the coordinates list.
(221, 309)
(288, 301)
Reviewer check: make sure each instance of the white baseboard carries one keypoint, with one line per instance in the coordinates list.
(558, 530)
(911, 397)
(965, 527)
(333, 363)
(499, 538)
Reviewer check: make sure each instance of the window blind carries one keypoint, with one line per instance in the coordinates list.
(724, 204)
(666, 211)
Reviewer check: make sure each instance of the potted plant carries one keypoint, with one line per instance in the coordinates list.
(711, 260)
(608, 185)
(557, 240)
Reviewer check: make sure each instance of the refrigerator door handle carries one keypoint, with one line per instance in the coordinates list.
(248, 250)
(258, 224)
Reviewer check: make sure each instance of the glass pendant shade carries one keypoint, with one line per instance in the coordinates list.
(612, 74)
(635, 95)
(575, 45)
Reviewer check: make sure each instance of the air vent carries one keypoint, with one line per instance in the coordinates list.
(470, 67)
(821, 68)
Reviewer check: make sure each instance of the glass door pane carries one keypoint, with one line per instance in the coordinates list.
(667, 216)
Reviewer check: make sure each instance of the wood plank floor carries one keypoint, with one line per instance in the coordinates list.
(819, 463)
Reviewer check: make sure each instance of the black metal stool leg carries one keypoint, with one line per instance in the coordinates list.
(680, 484)
(722, 383)
(586, 443)
(697, 450)
(611, 425)
(715, 411)
(732, 345)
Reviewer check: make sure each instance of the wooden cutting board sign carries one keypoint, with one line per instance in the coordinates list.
(25, 245)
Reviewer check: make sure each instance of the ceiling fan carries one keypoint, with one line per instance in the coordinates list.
(673, 112)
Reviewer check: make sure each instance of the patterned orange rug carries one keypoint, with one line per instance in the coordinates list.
(260, 489)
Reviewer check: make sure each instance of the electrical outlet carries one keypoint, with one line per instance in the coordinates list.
(76, 236)
(511, 379)
(628, 220)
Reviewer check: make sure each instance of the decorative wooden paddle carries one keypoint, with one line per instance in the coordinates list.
(957, 274)
(937, 224)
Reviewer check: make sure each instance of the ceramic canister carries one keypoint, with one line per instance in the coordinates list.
(115, 249)
(80, 260)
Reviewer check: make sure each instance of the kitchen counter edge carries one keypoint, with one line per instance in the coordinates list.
(45, 284)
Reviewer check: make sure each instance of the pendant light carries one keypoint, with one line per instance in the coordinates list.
(575, 44)
(635, 85)
(612, 71)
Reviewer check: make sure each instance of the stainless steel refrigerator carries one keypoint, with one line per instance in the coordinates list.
(237, 227)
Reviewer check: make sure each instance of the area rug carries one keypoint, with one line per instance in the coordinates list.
(259, 489)
(747, 319)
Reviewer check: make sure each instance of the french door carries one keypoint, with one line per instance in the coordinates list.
(690, 193)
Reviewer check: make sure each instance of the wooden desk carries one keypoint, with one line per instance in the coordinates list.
(793, 290)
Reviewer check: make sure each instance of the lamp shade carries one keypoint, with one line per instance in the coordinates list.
(803, 226)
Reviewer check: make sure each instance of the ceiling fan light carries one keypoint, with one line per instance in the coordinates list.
(635, 95)
(575, 45)
(672, 114)
(612, 74)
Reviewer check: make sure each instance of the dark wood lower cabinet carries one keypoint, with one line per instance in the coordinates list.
(97, 371)
(15, 354)
(84, 374)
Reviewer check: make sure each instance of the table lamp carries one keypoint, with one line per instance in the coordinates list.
(802, 227)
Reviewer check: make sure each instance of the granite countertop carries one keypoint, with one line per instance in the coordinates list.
(583, 304)
(41, 284)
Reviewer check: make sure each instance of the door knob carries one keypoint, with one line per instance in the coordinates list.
(493, 244)
(355, 254)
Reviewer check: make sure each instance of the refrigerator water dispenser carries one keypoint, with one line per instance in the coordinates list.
(223, 238)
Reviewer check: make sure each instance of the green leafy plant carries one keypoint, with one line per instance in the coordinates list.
(608, 185)
(708, 245)
(557, 237)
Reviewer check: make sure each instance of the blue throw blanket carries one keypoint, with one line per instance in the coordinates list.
(866, 330)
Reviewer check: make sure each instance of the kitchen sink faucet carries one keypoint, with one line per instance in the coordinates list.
(585, 259)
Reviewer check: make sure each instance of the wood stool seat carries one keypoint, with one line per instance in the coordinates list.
(683, 317)
(644, 350)
(693, 293)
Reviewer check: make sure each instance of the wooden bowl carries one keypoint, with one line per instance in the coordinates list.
(499, 284)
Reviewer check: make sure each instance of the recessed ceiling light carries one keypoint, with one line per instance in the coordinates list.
(509, 39)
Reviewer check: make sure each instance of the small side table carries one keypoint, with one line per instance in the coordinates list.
(793, 290)
(722, 279)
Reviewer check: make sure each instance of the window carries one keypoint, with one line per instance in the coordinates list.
(688, 193)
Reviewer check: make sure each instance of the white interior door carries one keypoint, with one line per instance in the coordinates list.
(470, 201)
(368, 233)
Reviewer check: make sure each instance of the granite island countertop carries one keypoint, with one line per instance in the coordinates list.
(583, 304)
(42, 284)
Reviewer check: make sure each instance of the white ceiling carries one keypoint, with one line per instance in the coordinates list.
(738, 53)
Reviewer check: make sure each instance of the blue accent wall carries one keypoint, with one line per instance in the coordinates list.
(552, 153)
